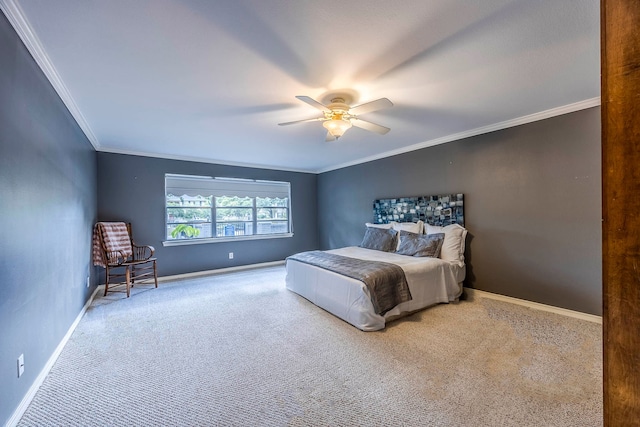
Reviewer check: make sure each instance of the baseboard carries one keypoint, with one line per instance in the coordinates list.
(535, 305)
(219, 271)
(26, 400)
(197, 274)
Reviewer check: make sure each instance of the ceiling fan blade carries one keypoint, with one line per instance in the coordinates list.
(301, 121)
(313, 103)
(363, 124)
(330, 137)
(368, 107)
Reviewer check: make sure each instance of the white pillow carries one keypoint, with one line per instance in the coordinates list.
(384, 226)
(455, 236)
(411, 227)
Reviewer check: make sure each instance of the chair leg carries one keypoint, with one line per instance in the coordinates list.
(128, 279)
(155, 273)
(106, 280)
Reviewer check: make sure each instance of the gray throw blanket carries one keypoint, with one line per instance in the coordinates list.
(386, 282)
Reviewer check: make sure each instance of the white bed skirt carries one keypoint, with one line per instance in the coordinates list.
(430, 280)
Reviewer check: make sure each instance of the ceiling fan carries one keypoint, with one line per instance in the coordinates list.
(339, 116)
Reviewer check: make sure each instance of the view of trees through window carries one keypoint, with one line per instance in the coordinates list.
(190, 217)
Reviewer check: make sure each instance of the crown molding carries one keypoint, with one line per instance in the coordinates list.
(547, 114)
(201, 160)
(16, 17)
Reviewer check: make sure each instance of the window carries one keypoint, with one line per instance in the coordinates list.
(200, 208)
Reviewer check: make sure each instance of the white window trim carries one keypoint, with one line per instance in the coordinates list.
(199, 241)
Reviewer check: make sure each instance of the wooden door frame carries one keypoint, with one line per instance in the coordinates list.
(620, 65)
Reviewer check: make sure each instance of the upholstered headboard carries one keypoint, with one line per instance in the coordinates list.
(434, 210)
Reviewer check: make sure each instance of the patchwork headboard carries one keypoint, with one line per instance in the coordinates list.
(434, 210)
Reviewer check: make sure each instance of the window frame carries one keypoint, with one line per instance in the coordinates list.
(219, 187)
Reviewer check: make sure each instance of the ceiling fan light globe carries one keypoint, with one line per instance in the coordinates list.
(337, 127)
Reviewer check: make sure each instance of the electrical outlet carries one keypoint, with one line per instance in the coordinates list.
(230, 255)
(88, 281)
(20, 365)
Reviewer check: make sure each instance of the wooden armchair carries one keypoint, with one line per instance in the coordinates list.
(114, 249)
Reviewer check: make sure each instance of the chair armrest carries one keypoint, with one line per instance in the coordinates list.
(141, 253)
(119, 258)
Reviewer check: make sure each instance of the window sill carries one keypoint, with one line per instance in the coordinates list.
(183, 242)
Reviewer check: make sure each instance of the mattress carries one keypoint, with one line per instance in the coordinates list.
(431, 281)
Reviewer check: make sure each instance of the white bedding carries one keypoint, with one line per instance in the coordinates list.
(431, 281)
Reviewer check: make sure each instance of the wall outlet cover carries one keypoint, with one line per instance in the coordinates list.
(20, 365)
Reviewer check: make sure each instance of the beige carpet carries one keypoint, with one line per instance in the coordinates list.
(239, 349)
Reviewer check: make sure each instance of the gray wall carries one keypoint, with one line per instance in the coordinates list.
(131, 189)
(48, 183)
(532, 205)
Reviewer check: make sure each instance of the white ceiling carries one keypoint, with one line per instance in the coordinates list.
(210, 80)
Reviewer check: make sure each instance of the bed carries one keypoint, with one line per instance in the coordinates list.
(431, 280)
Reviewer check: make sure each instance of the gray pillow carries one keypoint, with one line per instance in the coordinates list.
(421, 245)
(380, 239)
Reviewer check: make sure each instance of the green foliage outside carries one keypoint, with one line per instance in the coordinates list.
(186, 230)
(234, 202)
(272, 213)
(268, 202)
